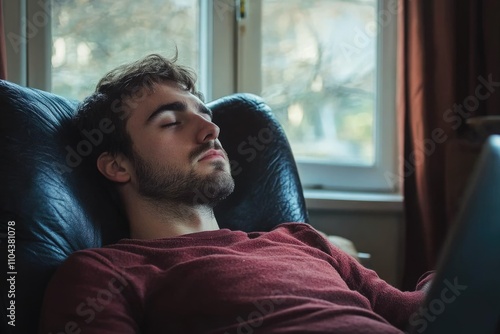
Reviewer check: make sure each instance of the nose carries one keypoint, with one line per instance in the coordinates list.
(208, 130)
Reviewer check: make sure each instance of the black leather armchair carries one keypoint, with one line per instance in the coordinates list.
(51, 204)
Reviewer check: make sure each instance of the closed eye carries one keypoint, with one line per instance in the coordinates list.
(170, 124)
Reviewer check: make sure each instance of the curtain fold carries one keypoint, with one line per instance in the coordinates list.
(447, 49)
(3, 54)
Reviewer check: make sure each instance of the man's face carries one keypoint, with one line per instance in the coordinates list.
(177, 154)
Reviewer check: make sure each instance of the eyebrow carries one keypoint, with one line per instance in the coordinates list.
(177, 106)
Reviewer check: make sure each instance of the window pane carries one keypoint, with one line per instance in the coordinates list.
(319, 70)
(92, 37)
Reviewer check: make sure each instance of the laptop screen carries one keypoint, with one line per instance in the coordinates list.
(464, 296)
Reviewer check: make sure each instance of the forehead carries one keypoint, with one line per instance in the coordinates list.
(145, 99)
(167, 90)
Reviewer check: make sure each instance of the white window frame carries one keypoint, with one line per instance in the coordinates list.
(230, 60)
(28, 38)
(14, 42)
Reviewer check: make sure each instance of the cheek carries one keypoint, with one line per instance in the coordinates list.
(153, 143)
(165, 148)
(167, 152)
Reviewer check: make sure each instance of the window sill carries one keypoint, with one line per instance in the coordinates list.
(351, 201)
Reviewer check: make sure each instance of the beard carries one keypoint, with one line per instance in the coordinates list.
(167, 184)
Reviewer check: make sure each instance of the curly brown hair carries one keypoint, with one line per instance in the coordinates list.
(117, 90)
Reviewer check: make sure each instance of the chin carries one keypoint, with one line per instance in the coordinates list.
(214, 189)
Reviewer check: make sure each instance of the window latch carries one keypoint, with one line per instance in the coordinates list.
(241, 10)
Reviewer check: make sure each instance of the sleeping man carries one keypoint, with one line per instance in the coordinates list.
(178, 272)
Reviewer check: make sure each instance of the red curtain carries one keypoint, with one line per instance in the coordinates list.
(3, 56)
(449, 71)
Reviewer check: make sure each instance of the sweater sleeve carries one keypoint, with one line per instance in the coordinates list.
(88, 294)
(394, 305)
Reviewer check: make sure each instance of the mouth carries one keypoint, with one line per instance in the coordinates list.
(212, 154)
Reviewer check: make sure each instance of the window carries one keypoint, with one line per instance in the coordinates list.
(326, 67)
(108, 33)
(76, 41)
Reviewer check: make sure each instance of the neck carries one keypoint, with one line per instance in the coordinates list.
(152, 220)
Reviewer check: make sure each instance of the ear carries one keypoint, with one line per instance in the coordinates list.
(115, 168)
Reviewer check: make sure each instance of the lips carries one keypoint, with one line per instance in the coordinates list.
(212, 154)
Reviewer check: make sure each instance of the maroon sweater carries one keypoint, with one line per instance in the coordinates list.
(289, 280)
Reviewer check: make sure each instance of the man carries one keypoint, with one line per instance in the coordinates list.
(178, 272)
